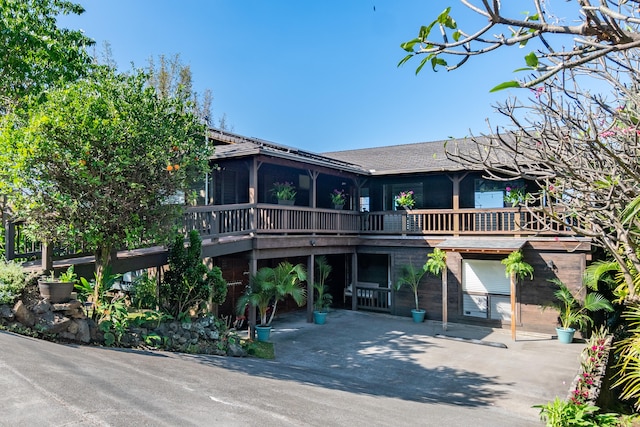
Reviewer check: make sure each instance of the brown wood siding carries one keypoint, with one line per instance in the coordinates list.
(532, 295)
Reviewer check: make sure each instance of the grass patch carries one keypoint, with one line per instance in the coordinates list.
(260, 349)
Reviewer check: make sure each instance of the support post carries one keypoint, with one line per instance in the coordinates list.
(253, 268)
(10, 240)
(354, 281)
(513, 306)
(310, 282)
(445, 298)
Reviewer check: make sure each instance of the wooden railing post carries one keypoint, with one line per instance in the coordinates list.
(456, 224)
(10, 240)
(47, 257)
(517, 221)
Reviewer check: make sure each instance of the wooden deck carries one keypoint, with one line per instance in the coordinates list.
(231, 229)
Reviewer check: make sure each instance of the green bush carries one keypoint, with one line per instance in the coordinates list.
(143, 292)
(563, 413)
(189, 283)
(13, 279)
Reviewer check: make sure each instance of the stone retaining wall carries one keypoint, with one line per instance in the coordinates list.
(69, 322)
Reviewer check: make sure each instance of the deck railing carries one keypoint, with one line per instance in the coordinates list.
(241, 219)
(504, 221)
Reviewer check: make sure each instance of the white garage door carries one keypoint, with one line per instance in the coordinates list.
(486, 290)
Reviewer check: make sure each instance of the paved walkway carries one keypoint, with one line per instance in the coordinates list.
(465, 366)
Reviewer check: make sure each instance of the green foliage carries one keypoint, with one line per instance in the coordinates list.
(84, 289)
(562, 413)
(323, 298)
(515, 264)
(272, 285)
(113, 320)
(260, 293)
(188, 283)
(36, 54)
(13, 279)
(68, 276)
(628, 352)
(149, 318)
(98, 295)
(410, 276)
(99, 160)
(572, 312)
(143, 292)
(153, 340)
(436, 262)
(283, 190)
(261, 349)
(218, 285)
(171, 78)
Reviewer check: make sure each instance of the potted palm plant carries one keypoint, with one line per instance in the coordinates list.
(323, 299)
(269, 286)
(573, 313)
(411, 277)
(58, 289)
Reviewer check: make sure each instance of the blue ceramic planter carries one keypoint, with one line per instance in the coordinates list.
(565, 336)
(263, 333)
(418, 315)
(319, 317)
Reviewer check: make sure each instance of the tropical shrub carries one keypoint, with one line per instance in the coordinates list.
(628, 352)
(574, 313)
(143, 292)
(13, 279)
(270, 285)
(562, 413)
(515, 265)
(323, 298)
(410, 276)
(189, 283)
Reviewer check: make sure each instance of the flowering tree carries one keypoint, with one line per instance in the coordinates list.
(581, 149)
(99, 161)
(592, 32)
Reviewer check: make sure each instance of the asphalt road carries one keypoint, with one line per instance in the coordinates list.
(357, 370)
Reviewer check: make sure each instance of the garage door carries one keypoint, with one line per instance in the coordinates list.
(486, 290)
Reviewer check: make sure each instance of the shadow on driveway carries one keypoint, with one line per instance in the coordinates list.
(376, 355)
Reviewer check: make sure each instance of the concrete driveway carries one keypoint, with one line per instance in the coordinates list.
(360, 369)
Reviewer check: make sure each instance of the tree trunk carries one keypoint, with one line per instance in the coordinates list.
(103, 261)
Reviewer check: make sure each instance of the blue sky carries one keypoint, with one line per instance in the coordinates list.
(317, 75)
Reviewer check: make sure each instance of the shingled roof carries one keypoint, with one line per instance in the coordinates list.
(389, 160)
(231, 145)
(406, 158)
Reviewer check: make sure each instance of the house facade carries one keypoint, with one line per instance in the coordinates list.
(370, 238)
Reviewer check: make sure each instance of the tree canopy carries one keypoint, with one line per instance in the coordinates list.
(35, 53)
(100, 160)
